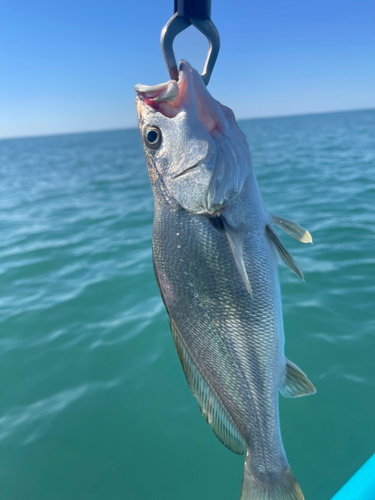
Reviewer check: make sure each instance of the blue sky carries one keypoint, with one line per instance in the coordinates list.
(71, 66)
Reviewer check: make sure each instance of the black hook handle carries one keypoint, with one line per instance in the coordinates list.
(200, 9)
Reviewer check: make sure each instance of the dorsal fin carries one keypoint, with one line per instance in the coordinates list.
(209, 403)
(295, 383)
(283, 252)
(294, 230)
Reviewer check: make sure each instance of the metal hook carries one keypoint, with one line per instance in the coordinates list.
(187, 13)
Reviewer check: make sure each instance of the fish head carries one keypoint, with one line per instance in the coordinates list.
(192, 143)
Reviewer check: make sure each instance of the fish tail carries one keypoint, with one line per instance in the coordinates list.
(270, 486)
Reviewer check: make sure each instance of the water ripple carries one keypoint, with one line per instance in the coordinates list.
(85, 347)
(38, 415)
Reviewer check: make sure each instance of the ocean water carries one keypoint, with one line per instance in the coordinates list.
(93, 401)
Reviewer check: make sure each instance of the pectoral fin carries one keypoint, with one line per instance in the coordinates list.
(283, 252)
(236, 243)
(294, 230)
(295, 383)
(209, 403)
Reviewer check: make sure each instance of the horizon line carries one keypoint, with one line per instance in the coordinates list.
(98, 131)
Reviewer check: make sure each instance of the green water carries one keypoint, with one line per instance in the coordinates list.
(93, 401)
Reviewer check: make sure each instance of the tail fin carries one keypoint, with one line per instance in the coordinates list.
(272, 487)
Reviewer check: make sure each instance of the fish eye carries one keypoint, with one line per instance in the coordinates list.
(153, 137)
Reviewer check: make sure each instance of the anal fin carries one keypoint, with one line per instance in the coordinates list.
(295, 383)
(283, 252)
(294, 230)
(209, 403)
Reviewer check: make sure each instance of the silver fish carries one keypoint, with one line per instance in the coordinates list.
(215, 260)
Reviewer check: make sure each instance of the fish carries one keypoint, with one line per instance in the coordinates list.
(215, 257)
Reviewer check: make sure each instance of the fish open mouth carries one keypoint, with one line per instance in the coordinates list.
(188, 94)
